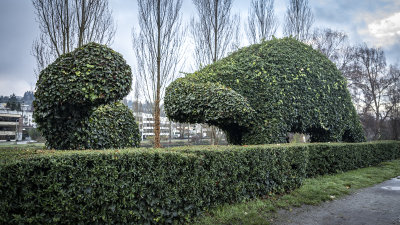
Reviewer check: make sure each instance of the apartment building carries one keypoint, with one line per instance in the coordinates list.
(10, 126)
(146, 125)
(168, 128)
(12, 123)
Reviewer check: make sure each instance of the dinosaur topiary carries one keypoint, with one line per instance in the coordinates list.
(260, 93)
(71, 91)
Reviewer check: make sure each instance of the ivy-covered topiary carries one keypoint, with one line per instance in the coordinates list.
(261, 92)
(71, 91)
(111, 126)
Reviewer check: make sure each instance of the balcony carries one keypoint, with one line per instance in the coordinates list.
(8, 123)
(7, 133)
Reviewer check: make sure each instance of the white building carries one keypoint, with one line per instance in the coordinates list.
(168, 128)
(146, 125)
(26, 113)
(10, 126)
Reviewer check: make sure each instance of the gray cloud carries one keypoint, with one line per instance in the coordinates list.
(18, 29)
(392, 53)
(354, 16)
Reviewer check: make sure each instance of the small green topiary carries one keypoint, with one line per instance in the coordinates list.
(261, 92)
(70, 89)
(121, 130)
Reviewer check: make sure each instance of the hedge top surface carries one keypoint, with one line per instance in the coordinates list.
(259, 93)
(15, 154)
(90, 75)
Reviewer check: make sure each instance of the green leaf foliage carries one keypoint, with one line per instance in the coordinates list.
(72, 89)
(110, 126)
(261, 92)
(163, 186)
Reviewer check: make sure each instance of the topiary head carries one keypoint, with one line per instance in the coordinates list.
(90, 76)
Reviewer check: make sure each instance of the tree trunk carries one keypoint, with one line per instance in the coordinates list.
(377, 127)
(213, 135)
(213, 131)
(170, 133)
(157, 143)
(188, 133)
(82, 25)
(201, 133)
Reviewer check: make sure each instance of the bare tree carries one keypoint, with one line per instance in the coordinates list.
(67, 24)
(344, 59)
(394, 102)
(334, 45)
(262, 22)
(371, 78)
(94, 20)
(346, 62)
(298, 20)
(329, 42)
(157, 46)
(215, 32)
(136, 95)
(41, 53)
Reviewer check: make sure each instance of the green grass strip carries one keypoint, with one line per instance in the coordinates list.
(313, 192)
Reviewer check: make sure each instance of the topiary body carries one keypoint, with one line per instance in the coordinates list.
(261, 92)
(110, 126)
(72, 89)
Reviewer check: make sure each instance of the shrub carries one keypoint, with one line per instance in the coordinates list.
(148, 186)
(261, 92)
(110, 126)
(70, 89)
(34, 134)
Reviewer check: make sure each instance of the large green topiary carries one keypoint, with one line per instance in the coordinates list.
(261, 92)
(71, 91)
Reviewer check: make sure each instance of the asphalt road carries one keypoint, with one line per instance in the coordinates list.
(377, 205)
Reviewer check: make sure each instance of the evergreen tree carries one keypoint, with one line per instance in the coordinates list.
(13, 103)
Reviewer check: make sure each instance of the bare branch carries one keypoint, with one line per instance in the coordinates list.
(215, 31)
(329, 42)
(298, 20)
(67, 24)
(262, 22)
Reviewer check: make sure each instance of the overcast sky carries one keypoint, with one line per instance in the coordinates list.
(376, 22)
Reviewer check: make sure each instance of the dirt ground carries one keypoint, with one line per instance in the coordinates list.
(377, 205)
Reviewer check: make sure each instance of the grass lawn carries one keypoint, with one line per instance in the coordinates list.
(312, 192)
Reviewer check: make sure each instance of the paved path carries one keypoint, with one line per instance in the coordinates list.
(377, 205)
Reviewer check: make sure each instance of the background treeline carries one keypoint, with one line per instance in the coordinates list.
(14, 102)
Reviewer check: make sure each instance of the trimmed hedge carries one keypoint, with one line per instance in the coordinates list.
(141, 186)
(333, 158)
(261, 92)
